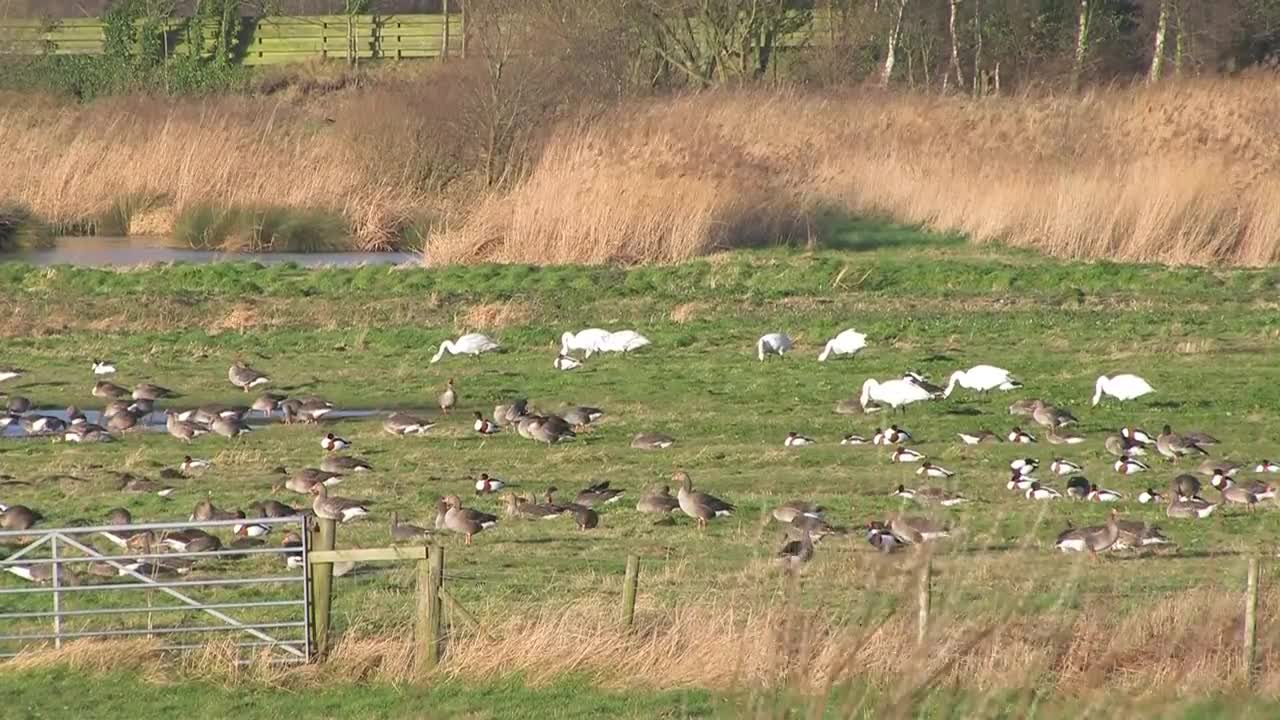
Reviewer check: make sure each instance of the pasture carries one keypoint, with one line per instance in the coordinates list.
(1012, 618)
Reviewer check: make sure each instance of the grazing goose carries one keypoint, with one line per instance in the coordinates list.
(87, 433)
(206, 414)
(119, 516)
(698, 505)
(1186, 485)
(1148, 496)
(1130, 466)
(483, 426)
(1134, 534)
(147, 391)
(1024, 466)
(191, 540)
(549, 429)
(18, 405)
(122, 422)
(206, 510)
(657, 502)
(333, 443)
(344, 464)
(335, 508)
(624, 341)
(472, 344)
(1122, 447)
(227, 428)
(652, 441)
(1173, 446)
(404, 532)
(267, 403)
(1211, 466)
(43, 573)
(519, 508)
(511, 413)
(1122, 387)
(184, 431)
(773, 344)
(1061, 466)
(192, 466)
(853, 439)
(1182, 507)
(245, 377)
(795, 439)
(920, 381)
(34, 423)
(795, 552)
(879, 537)
(598, 494)
(1078, 487)
(1137, 435)
(848, 342)
(273, 509)
(565, 362)
(133, 484)
(1063, 438)
(1024, 407)
(486, 485)
(448, 398)
(103, 367)
(1266, 466)
(792, 509)
(302, 481)
(398, 423)
(895, 393)
(979, 437)
(1048, 416)
(982, 379)
(1020, 436)
(933, 471)
(1097, 494)
(1093, 539)
(18, 517)
(584, 517)
(591, 340)
(9, 372)
(308, 410)
(581, 416)
(1037, 492)
(914, 530)
(906, 455)
(109, 390)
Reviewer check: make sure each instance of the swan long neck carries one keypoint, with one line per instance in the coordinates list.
(867, 387)
(1098, 388)
(446, 345)
(951, 386)
(760, 349)
(826, 352)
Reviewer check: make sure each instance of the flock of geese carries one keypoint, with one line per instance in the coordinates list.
(804, 521)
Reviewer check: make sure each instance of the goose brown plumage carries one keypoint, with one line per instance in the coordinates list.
(466, 521)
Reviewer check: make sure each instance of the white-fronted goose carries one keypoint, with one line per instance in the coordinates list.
(333, 443)
(308, 410)
(127, 482)
(795, 439)
(227, 428)
(103, 367)
(1057, 437)
(582, 415)
(584, 517)
(1212, 465)
(1078, 487)
(915, 530)
(449, 398)
(1173, 446)
(1201, 439)
(273, 509)
(773, 344)
(87, 433)
(184, 431)
(598, 494)
(404, 532)
(335, 508)
(1137, 435)
(1020, 436)
(529, 510)
(1149, 496)
(698, 505)
(1097, 494)
(1038, 492)
(1122, 387)
(978, 437)
(657, 502)
(1130, 466)
(245, 377)
(1049, 416)
(880, 538)
(1092, 540)
(18, 405)
(896, 393)
(466, 521)
(1181, 507)
(565, 362)
(1062, 466)
(18, 517)
(482, 426)
(147, 391)
(472, 344)
(109, 390)
(122, 422)
(795, 553)
(190, 540)
(793, 509)
(1186, 485)
(549, 429)
(652, 441)
(307, 478)
(344, 464)
(510, 413)
(847, 342)
(982, 379)
(934, 471)
(906, 455)
(486, 485)
(398, 423)
(267, 403)
(205, 510)
(1136, 534)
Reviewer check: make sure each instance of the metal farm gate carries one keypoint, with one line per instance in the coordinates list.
(58, 586)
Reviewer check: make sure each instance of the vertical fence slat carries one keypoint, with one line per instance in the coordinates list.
(57, 593)
(1251, 619)
(923, 597)
(629, 585)
(433, 614)
(322, 586)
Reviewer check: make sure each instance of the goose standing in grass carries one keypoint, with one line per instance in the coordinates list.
(788, 511)
(472, 344)
(335, 508)
(1266, 466)
(698, 505)
(978, 437)
(147, 391)
(1092, 540)
(1183, 507)
(933, 471)
(848, 342)
(398, 423)
(1020, 436)
(486, 485)
(103, 367)
(624, 341)
(1149, 496)
(584, 517)
(1185, 485)
(774, 344)
(465, 521)
(185, 431)
(591, 340)
(795, 439)
(333, 443)
(245, 377)
(598, 493)
(565, 362)
(581, 416)
(906, 455)
(896, 393)
(652, 441)
(229, 429)
(657, 502)
(518, 508)
(483, 426)
(1097, 494)
(1173, 446)
(1122, 387)
(982, 379)
(1130, 466)
(448, 398)
(1038, 492)
(1051, 416)
(1061, 466)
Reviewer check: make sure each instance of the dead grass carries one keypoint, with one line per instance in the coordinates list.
(496, 315)
(1184, 173)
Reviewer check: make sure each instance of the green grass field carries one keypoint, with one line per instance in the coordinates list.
(361, 338)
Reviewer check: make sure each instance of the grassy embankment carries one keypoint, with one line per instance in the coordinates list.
(1183, 173)
(1014, 623)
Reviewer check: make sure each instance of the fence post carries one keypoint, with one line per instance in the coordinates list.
(465, 27)
(629, 590)
(444, 51)
(1251, 619)
(57, 593)
(430, 613)
(322, 585)
(923, 592)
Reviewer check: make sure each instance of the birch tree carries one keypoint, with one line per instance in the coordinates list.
(1082, 45)
(955, 44)
(1157, 53)
(895, 33)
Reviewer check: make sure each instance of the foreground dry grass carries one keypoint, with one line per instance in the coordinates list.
(1180, 174)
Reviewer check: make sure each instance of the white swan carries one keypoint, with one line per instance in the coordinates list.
(591, 340)
(894, 393)
(848, 342)
(981, 378)
(1121, 387)
(470, 344)
(773, 344)
(624, 341)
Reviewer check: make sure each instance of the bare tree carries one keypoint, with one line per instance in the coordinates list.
(895, 33)
(955, 44)
(1157, 54)
(1082, 45)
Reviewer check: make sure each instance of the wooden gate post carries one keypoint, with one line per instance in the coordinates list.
(629, 590)
(1251, 620)
(430, 612)
(923, 598)
(322, 585)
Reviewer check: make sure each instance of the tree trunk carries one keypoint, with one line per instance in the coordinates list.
(889, 56)
(977, 46)
(955, 45)
(1082, 45)
(1177, 41)
(1157, 55)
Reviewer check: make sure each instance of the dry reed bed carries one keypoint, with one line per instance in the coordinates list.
(1185, 173)
(1186, 645)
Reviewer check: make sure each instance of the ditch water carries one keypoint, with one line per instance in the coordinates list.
(155, 422)
(131, 251)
